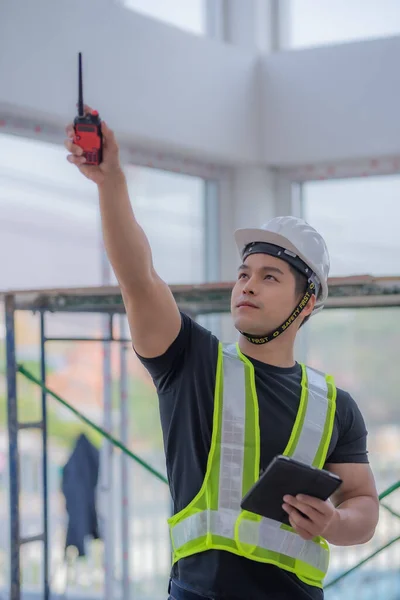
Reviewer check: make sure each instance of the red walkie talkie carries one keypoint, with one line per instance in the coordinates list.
(88, 128)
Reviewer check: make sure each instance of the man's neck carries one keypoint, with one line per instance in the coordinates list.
(278, 353)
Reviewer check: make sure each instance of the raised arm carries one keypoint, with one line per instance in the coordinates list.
(153, 315)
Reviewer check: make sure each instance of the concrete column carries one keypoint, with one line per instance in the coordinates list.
(251, 24)
(254, 193)
(249, 198)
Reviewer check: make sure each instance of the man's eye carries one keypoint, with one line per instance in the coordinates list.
(242, 275)
(270, 277)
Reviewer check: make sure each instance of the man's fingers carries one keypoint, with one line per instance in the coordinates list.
(73, 148)
(301, 523)
(107, 132)
(322, 506)
(109, 136)
(76, 160)
(69, 130)
(306, 509)
(301, 501)
(306, 535)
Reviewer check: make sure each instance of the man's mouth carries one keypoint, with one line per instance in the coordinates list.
(246, 305)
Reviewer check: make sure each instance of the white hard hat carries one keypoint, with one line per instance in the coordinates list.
(298, 237)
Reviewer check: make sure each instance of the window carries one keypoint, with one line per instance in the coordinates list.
(170, 208)
(318, 22)
(359, 220)
(187, 14)
(358, 347)
(50, 225)
(355, 345)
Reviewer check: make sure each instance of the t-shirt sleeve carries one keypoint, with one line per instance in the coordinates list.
(351, 446)
(166, 368)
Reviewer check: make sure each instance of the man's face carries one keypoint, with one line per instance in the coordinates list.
(267, 283)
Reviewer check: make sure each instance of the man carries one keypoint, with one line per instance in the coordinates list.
(227, 411)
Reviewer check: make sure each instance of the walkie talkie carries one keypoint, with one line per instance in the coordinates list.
(87, 127)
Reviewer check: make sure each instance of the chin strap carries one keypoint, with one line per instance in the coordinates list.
(264, 339)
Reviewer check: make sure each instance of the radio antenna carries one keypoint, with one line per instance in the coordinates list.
(80, 86)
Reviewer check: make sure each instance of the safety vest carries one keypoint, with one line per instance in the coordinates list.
(214, 518)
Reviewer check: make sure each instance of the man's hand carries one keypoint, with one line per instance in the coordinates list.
(110, 162)
(321, 515)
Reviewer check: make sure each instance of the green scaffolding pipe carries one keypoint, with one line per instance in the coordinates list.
(389, 490)
(21, 369)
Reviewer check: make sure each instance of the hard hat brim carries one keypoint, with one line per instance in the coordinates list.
(243, 237)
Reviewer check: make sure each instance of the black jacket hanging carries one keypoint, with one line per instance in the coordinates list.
(79, 481)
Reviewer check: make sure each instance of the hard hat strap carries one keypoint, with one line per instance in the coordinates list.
(264, 339)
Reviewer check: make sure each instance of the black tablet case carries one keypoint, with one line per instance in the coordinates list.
(287, 476)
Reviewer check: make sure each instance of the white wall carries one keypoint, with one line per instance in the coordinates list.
(156, 85)
(332, 103)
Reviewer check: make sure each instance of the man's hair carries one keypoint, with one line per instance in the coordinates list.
(301, 285)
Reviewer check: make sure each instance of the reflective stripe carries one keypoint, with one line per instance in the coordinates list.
(190, 528)
(267, 536)
(264, 533)
(221, 522)
(315, 417)
(233, 426)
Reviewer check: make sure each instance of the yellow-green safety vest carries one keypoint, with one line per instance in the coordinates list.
(214, 520)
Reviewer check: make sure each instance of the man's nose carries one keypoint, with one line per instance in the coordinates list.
(249, 288)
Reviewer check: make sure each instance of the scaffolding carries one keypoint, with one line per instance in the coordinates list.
(196, 300)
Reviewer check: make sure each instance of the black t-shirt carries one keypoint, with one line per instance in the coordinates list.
(185, 379)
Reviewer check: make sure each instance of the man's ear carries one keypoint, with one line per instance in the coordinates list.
(310, 306)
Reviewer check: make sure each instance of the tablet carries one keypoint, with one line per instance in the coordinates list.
(284, 475)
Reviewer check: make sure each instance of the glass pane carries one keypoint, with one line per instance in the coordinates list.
(185, 14)
(30, 447)
(357, 347)
(170, 208)
(359, 220)
(318, 22)
(31, 557)
(49, 225)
